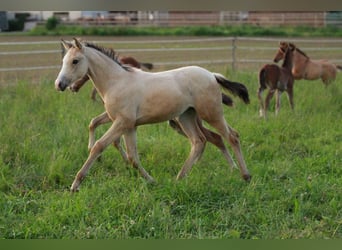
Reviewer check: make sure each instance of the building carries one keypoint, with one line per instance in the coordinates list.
(3, 21)
(182, 18)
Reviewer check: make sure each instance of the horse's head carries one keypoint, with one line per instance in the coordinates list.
(75, 64)
(283, 47)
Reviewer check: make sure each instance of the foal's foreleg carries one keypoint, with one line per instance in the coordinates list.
(112, 134)
(97, 121)
(94, 123)
(290, 97)
(93, 94)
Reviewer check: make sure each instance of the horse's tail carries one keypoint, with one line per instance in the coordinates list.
(234, 87)
(339, 67)
(148, 66)
(227, 100)
(262, 78)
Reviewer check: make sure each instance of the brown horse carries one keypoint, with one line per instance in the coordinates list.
(277, 79)
(305, 68)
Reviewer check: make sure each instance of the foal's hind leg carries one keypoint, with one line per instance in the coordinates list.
(277, 105)
(233, 138)
(268, 99)
(210, 136)
(217, 140)
(188, 122)
(262, 111)
(132, 153)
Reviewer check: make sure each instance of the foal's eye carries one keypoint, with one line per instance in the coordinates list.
(75, 61)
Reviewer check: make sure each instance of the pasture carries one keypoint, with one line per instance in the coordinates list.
(295, 160)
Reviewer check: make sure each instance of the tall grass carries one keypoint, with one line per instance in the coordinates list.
(295, 160)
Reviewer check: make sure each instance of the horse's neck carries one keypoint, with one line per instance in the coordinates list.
(288, 61)
(299, 60)
(102, 70)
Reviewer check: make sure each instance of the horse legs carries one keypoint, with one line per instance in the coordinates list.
(188, 122)
(216, 140)
(132, 153)
(277, 105)
(112, 134)
(97, 121)
(262, 111)
(93, 94)
(268, 99)
(233, 138)
(290, 96)
(211, 137)
(94, 123)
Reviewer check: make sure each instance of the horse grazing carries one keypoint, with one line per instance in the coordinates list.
(277, 79)
(305, 68)
(75, 87)
(133, 97)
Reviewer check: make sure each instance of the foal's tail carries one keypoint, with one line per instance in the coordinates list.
(148, 66)
(262, 78)
(339, 67)
(234, 87)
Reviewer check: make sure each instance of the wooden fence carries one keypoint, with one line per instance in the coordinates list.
(36, 58)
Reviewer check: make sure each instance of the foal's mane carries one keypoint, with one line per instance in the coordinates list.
(288, 59)
(301, 52)
(109, 52)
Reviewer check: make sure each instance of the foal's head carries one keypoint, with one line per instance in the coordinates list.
(284, 47)
(75, 65)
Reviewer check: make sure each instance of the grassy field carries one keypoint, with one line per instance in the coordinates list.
(295, 159)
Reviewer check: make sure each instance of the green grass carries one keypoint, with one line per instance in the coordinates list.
(295, 160)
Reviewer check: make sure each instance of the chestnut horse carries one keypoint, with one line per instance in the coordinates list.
(133, 97)
(305, 68)
(277, 79)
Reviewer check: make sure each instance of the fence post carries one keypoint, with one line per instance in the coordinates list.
(233, 53)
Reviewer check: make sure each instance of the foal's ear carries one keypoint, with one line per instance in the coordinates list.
(292, 46)
(66, 45)
(77, 43)
(283, 43)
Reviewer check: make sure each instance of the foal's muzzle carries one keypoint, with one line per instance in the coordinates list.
(60, 85)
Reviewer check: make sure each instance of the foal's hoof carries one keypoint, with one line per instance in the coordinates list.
(247, 177)
(72, 190)
(74, 187)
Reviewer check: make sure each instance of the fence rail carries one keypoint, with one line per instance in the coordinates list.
(234, 52)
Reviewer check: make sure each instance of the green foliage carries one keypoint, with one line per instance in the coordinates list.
(237, 30)
(295, 160)
(51, 23)
(18, 23)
